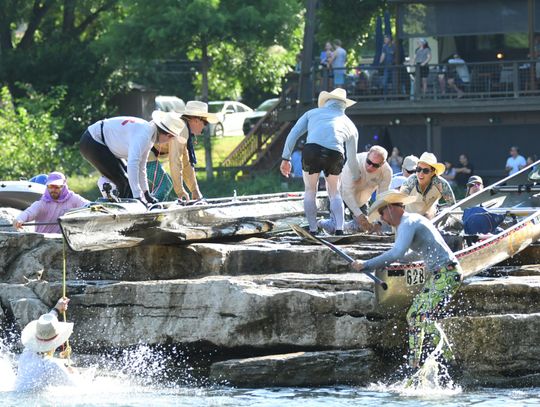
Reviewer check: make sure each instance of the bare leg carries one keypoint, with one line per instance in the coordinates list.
(336, 202)
(311, 182)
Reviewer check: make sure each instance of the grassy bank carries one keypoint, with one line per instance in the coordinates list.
(219, 186)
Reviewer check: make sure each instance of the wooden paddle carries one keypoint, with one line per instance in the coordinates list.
(300, 231)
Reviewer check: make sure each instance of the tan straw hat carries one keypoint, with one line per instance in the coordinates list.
(169, 122)
(387, 198)
(431, 160)
(46, 333)
(338, 94)
(199, 109)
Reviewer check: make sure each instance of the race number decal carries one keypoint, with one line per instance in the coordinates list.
(415, 276)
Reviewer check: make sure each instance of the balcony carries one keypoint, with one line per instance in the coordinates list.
(447, 88)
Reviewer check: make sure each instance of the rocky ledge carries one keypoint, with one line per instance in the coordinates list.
(296, 307)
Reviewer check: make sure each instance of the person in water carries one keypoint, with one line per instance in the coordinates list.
(415, 233)
(37, 366)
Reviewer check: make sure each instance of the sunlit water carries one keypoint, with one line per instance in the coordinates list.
(140, 378)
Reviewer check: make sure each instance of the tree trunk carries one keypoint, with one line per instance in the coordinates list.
(205, 65)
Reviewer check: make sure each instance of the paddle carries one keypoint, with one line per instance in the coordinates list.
(305, 234)
(6, 225)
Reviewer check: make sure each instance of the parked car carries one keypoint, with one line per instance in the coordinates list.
(170, 104)
(231, 117)
(259, 112)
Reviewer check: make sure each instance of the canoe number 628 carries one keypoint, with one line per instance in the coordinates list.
(415, 276)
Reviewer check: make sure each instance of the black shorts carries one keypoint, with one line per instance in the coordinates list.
(424, 71)
(316, 158)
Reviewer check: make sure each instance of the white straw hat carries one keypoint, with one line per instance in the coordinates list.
(431, 160)
(387, 198)
(199, 109)
(46, 333)
(338, 94)
(169, 122)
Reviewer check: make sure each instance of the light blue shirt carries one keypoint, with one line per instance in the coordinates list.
(417, 234)
(328, 127)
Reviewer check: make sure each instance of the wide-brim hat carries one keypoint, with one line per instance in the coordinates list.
(200, 109)
(56, 178)
(46, 333)
(338, 94)
(387, 198)
(170, 122)
(431, 160)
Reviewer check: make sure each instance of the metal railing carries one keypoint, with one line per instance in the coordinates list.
(259, 138)
(499, 79)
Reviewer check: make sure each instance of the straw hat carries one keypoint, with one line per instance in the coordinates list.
(431, 160)
(169, 122)
(200, 109)
(386, 198)
(338, 94)
(46, 333)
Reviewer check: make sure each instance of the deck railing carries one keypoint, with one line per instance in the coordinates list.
(500, 79)
(255, 143)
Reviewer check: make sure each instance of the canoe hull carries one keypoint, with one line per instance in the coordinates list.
(177, 224)
(19, 194)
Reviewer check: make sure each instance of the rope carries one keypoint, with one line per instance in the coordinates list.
(66, 352)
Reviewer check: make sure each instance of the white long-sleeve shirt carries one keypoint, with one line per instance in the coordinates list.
(129, 138)
(356, 194)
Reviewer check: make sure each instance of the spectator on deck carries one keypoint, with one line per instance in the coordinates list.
(338, 62)
(395, 160)
(458, 74)
(449, 173)
(463, 171)
(55, 202)
(515, 162)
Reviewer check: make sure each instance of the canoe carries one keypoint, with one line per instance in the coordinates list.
(19, 194)
(106, 225)
(517, 197)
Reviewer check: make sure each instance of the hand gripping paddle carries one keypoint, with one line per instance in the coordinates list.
(306, 235)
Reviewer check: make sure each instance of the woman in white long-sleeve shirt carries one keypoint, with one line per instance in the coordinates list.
(105, 144)
(328, 130)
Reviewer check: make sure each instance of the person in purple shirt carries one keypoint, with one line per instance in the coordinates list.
(55, 201)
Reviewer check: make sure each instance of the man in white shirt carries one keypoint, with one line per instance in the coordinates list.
(515, 162)
(105, 144)
(374, 174)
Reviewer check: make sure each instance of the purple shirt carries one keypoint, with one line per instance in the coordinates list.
(48, 210)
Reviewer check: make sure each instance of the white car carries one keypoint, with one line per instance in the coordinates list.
(231, 117)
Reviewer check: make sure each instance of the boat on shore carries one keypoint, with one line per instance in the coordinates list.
(108, 225)
(517, 197)
(20, 194)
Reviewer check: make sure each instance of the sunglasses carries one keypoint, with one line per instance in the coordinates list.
(205, 122)
(424, 170)
(54, 186)
(374, 165)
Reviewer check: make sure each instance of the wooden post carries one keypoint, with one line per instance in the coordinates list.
(306, 73)
(532, 53)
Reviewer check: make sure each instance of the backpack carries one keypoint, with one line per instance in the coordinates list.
(479, 220)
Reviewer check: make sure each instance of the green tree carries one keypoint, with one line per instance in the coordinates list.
(29, 136)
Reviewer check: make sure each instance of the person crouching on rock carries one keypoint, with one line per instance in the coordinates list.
(105, 144)
(328, 130)
(37, 366)
(417, 234)
(55, 202)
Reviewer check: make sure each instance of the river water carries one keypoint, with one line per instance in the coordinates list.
(141, 378)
